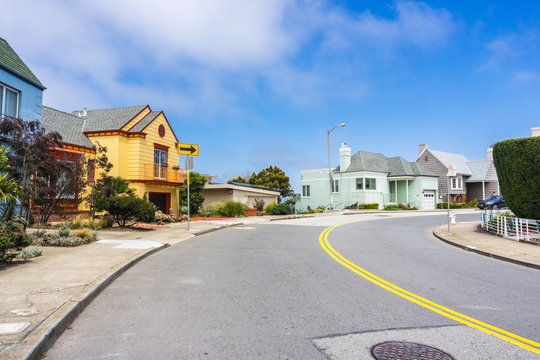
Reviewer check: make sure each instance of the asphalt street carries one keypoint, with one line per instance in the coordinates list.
(270, 291)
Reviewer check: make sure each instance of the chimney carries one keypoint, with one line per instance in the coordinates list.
(344, 157)
(489, 153)
(535, 131)
(84, 112)
(421, 148)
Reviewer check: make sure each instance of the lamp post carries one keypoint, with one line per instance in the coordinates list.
(329, 170)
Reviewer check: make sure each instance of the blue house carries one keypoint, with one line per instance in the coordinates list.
(21, 92)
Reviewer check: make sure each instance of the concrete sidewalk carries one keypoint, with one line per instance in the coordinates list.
(39, 298)
(469, 236)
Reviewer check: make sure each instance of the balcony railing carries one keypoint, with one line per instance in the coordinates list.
(161, 173)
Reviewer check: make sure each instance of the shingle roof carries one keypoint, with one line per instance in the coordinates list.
(394, 166)
(12, 62)
(109, 119)
(67, 125)
(457, 160)
(145, 121)
(368, 161)
(481, 171)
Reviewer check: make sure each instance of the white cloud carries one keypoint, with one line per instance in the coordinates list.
(194, 56)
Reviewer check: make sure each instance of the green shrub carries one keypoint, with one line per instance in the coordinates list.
(29, 253)
(258, 204)
(232, 208)
(460, 205)
(64, 230)
(370, 206)
(211, 210)
(272, 206)
(472, 204)
(77, 223)
(278, 209)
(127, 210)
(107, 221)
(392, 207)
(94, 224)
(12, 240)
(517, 164)
(67, 241)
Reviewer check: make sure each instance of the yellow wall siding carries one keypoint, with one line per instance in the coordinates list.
(152, 136)
(136, 119)
(112, 143)
(134, 167)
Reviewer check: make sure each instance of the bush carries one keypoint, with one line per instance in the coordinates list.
(29, 253)
(64, 230)
(107, 221)
(516, 162)
(94, 224)
(67, 241)
(85, 234)
(460, 205)
(77, 223)
(278, 209)
(392, 207)
(232, 208)
(12, 240)
(127, 210)
(258, 204)
(211, 210)
(370, 206)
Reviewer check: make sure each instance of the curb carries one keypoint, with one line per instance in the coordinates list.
(488, 254)
(57, 329)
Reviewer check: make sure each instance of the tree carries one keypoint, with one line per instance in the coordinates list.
(127, 210)
(272, 178)
(46, 177)
(238, 179)
(517, 164)
(10, 190)
(196, 198)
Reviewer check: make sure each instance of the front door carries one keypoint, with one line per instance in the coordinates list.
(161, 200)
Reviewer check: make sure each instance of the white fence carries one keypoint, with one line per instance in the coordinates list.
(500, 223)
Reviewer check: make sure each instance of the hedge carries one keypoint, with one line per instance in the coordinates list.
(517, 162)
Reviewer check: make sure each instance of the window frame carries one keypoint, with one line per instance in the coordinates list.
(160, 167)
(456, 183)
(3, 90)
(368, 182)
(335, 186)
(306, 191)
(361, 183)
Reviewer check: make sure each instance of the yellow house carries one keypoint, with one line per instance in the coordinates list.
(141, 146)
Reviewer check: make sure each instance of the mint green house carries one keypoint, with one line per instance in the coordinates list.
(368, 177)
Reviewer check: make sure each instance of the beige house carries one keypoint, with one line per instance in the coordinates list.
(244, 193)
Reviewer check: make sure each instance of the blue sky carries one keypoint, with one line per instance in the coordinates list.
(258, 83)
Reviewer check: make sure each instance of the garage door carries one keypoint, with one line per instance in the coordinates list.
(429, 199)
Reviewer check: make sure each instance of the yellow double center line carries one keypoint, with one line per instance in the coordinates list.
(449, 313)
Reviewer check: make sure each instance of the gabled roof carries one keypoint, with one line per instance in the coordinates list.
(109, 119)
(457, 160)
(10, 61)
(145, 121)
(70, 127)
(481, 171)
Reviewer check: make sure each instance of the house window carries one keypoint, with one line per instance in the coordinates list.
(91, 170)
(9, 101)
(335, 186)
(160, 163)
(371, 184)
(359, 183)
(456, 183)
(306, 191)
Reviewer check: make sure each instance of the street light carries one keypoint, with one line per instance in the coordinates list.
(329, 170)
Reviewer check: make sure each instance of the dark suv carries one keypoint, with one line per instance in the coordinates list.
(492, 202)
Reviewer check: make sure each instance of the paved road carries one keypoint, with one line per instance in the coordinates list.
(270, 291)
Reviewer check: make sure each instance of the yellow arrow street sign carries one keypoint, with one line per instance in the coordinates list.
(188, 149)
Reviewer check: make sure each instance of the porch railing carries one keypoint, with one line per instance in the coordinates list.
(501, 223)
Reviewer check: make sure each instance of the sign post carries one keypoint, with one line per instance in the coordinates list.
(451, 173)
(188, 150)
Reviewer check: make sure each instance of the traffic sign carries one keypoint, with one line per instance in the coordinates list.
(189, 163)
(188, 149)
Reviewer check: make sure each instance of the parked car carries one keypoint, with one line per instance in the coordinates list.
(492, 202)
